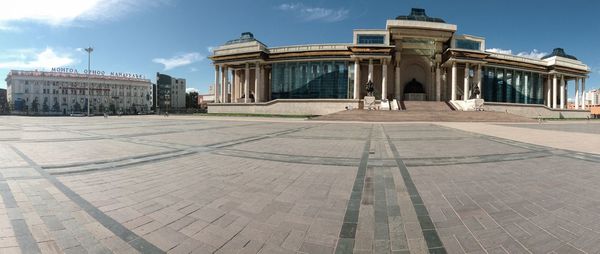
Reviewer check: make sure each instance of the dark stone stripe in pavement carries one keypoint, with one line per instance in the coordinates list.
(115, 227)
(488, 158)
(348, 232)
(27, 243)
(256, 138)
(288, 158)
(434, 243)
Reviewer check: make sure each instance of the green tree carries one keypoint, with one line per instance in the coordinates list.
(56, 106)
(77, 107)
(34, 105)
(45, 106)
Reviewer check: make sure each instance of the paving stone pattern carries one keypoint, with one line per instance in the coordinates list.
(195, 185)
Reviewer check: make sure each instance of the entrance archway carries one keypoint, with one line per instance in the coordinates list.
(414, 91)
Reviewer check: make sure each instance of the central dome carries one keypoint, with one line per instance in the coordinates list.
(418, 14)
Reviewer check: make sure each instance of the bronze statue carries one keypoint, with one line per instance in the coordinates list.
(370, 88)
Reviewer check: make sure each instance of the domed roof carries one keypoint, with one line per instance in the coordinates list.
(245, 37)
(559, 52)
(417, 14)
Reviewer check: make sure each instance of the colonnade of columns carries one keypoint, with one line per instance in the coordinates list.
(467, 80)
(225, 91)
(556, 93)
(397, 78)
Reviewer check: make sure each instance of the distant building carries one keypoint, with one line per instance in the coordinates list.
(61, 93)
(3, 101)
(169, 92)
(592, 97)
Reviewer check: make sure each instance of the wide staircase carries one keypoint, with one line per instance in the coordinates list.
(426, 106)
(422, 111)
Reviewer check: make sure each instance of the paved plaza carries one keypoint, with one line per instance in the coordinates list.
(184, 184)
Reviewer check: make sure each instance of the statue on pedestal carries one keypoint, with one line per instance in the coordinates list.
(369, 87)
(369, 99)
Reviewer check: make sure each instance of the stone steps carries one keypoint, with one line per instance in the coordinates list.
(423, 116)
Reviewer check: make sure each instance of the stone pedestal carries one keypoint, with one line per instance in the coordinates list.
(369, 102)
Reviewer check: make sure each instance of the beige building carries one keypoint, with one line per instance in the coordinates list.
(63, 93)
(415, 57)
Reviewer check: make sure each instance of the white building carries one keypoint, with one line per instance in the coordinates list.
(592, 97)
(55, 93)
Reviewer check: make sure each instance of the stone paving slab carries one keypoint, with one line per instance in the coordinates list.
(231, 185)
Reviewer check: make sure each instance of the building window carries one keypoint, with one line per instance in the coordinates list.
(370, 39)
(468, 44)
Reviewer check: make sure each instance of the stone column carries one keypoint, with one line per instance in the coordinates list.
(233, 89)
(225, 84)
(453, 81)
(217, 83)
(370, 77)
(256, 82)
(438, 83)
(562, 92)
(247, 84)
(356, 79)
(576, 93)
(384, 79)
(466, 84)
(583, 93)
(554, 90)
(397, 81)
(479, 81)
(548, 92)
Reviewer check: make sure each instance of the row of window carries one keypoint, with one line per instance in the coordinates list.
(310, 80)
(506, 85)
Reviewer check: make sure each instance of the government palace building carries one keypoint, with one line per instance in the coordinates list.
(61, 92)
(414, 58)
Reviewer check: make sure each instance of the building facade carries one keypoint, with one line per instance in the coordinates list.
(416, 57)
(169, 93)
(59, 93)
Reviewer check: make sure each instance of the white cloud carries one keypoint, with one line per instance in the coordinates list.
(27, 59)
(501, 51)
(535, 54)
(210, 49)
(191, 89)
(308, 13)
(179, 60)
(65, 12)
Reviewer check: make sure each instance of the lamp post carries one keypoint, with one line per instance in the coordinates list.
(89, 51)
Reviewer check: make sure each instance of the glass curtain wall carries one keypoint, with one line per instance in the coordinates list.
(310, 80)
(512, 86)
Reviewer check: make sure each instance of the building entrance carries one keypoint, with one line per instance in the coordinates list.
(414, 91)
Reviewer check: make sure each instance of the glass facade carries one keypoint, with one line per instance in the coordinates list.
(468, 44)
(370, 39)
(310, 80)
(513, 86)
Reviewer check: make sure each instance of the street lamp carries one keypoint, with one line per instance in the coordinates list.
(89, 50)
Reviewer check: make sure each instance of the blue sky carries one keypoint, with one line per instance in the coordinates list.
(175, 36)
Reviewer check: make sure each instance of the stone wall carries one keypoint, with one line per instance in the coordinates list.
(535, 111)
(286, 107)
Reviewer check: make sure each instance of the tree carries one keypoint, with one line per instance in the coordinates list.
(77, 107)
(112, 108)
(56, 106)
(191, 100)
(34, 105)
(45, 106)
